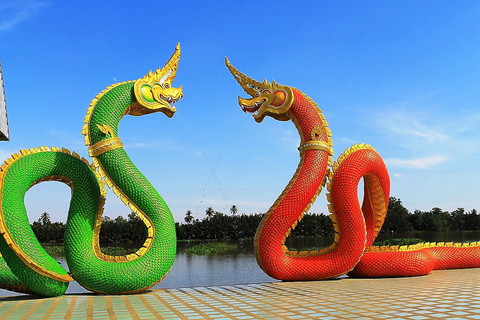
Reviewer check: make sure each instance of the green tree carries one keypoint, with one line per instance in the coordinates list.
(188, 217)
(442, 220)
(46, 231)
(121, 230)
(107, 230)
(209, 212)
(458, 219)
(472, 220)
(416, 220)
(433, 220)
(44, 219)
(397, 219)
(137, 229)
(314, 225)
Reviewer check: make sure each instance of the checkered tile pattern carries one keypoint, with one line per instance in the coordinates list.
(446, 294)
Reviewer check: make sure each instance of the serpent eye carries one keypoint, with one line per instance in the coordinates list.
(256, 94)
(166, 85)
(146, 92)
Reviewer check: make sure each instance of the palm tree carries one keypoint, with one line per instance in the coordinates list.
(188, 217)
(209, 212)
(45, 219)
(233, 209)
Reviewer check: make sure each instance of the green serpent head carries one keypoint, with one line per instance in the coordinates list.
(268, 99)
(154, 92)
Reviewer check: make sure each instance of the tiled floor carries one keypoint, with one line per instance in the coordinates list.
(451, 294)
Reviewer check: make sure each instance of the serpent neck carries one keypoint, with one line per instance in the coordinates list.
(127, 182)
(307, 117)
(107, 111)
(305, 184)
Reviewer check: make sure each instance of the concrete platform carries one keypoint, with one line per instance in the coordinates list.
(450, 294)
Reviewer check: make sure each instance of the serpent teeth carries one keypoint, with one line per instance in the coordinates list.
(171, 100)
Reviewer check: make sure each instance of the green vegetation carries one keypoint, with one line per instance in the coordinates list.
(54, 251)
(207, 248)
(220, 226)
(119, 230)
(116, 251)
(399, 242)
(46, 231)
(58, 251)
(217, 225)
(400, 220)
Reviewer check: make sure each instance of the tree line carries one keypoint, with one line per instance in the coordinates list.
(220, 226)
(118, 230)
(217, 225)
(399, 219)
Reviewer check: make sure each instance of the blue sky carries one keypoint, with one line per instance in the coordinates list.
(403, 76)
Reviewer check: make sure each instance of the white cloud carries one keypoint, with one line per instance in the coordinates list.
(418, 134)
(14, 12)
(407, 125)
(421, 163)
(398, 175)
(427, 134)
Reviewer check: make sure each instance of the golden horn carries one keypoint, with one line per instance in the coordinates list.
(244, 81)
(169, 71)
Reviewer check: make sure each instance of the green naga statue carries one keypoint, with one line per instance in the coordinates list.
(25, 266)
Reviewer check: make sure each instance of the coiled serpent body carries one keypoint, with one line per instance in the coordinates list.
(26, 266)
(356, 227)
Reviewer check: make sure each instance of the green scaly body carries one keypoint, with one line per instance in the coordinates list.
(33, 270)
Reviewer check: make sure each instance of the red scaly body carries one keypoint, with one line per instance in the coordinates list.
(356, 228)
(271, 254)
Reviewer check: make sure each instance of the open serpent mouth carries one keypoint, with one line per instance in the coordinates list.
(253, 108)
(170, 99)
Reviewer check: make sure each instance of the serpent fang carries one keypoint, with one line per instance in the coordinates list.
(25, 266)
(355, 227)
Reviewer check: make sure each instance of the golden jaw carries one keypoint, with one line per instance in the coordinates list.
(167, 96)
(267, 103)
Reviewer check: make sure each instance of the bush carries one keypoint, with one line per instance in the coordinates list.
(399, 242)
(211, 248)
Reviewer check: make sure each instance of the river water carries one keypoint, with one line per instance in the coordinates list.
(240, 267)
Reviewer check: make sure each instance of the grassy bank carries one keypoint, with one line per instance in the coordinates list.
(399, 242)
(58, 250)
(208, 248)
(205, 248)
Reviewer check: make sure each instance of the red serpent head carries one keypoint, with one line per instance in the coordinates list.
(268, 99)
